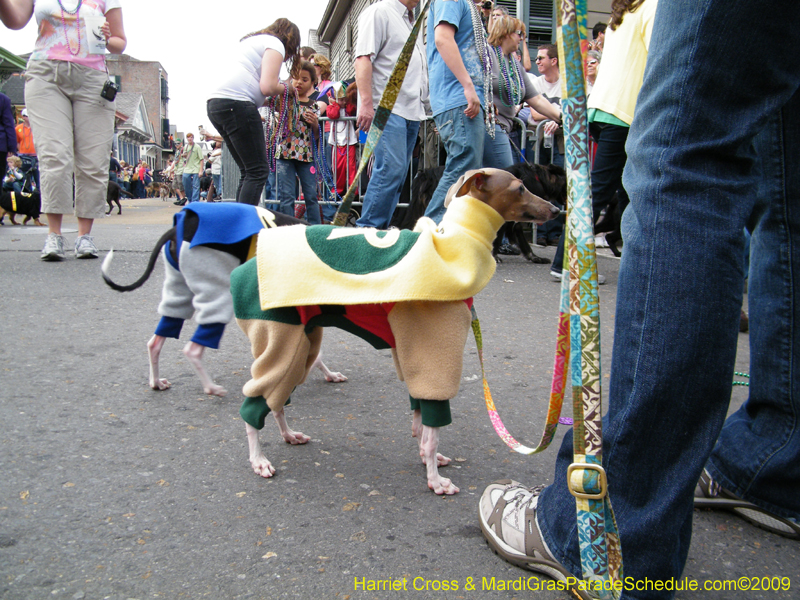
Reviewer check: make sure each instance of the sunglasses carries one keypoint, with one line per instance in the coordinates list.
(519, 33)
(538, 58)
(591, 62)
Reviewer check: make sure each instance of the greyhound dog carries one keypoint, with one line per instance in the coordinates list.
(417, 303)
(207, 242)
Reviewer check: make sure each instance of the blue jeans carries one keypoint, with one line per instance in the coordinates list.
(191, 185)
(328, 210)
(463, 139)
(497, 152)
(392, 158)
(239, 124)
(286, 173)
(692, 179)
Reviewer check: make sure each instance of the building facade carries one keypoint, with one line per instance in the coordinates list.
(149, 80)
(338, 29)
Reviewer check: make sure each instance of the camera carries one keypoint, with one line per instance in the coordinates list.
(109, 91)
(488, 5)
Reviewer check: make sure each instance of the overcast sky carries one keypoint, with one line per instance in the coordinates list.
(192, 41)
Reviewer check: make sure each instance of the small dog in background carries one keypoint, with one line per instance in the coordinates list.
(28, 204)
(113, 193)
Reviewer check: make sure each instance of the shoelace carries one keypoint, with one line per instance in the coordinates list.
(521, 498)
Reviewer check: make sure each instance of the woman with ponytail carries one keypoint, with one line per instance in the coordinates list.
(253, 76)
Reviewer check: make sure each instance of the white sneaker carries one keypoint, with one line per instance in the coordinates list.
(54, 247)
(600, 241)
(85, 248)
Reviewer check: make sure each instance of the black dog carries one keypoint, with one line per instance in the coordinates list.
(546, 181)
(422, 188)
(113, 194)
(28, 204)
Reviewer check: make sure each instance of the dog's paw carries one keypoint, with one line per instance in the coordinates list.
(160, 384)
(441, 460)
(442, 486)
(215, 390)
(295, 437)
(335, 377)
(262, 467)
(538, 260)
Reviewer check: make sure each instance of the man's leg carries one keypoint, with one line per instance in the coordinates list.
(392, 157)
(757, 456)
(689, 162)
(463, 140)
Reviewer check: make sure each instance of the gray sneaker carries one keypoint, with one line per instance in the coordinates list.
(54, 247)
(85, 248)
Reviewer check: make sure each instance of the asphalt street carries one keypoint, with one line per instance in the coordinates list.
(112, 490)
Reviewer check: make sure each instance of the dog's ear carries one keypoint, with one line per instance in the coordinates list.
(466, 183)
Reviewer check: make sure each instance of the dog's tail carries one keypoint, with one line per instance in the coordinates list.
(124, 193)
(169, 235)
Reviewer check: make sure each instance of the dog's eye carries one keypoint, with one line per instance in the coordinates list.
(521, 189)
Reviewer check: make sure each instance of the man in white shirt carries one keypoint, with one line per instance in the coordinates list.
(383, 29)
(549, 85)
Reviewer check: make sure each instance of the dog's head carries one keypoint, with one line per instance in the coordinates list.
(503, 192)
(546, 181)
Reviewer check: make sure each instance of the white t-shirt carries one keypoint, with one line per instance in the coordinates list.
(243, 78)
(67, 40)
(383, 29)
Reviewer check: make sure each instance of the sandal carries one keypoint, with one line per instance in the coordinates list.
(710, 494)
(507, 512)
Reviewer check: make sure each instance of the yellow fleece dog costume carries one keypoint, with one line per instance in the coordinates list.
(410, 291)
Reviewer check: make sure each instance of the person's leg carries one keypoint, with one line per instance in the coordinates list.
(286, 177)
(94, 132)
(497, 151)
(392, 156)
(690, 165)
(188, 186)
(463, 140)
(243, 134)
(195, 187)
(50, 112)
(766, 426)
(607, 169)
(308, 182)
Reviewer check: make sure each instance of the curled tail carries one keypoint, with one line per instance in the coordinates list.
(169, 235)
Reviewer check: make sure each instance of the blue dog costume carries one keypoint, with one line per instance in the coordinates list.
(211, 240)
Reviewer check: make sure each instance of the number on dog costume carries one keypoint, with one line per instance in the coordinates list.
(359, 251)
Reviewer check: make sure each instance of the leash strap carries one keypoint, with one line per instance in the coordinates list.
(600, 547)
(385, 106)
(578, 334)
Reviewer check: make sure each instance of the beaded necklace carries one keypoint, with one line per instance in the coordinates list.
(77, 23)
(483, 56)
(324, 174)
(510, 79)
(278, 130)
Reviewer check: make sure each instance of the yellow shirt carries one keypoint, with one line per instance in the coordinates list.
(621, 70)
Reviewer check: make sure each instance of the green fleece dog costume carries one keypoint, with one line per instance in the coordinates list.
(406, 290)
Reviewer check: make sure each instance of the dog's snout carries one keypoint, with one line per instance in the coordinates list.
(555, 210)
